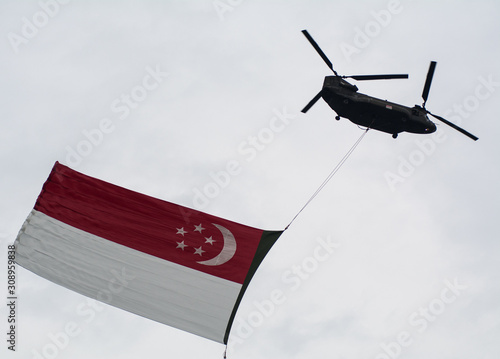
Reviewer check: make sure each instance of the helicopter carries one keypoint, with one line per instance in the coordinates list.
(370, 112)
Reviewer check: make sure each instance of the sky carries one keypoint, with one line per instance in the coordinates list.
(198, 103)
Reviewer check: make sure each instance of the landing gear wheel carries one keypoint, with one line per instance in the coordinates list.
(394, 135)
(337, 118)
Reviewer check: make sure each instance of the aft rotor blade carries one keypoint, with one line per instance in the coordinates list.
(428, 81)
(468, 134)
(319, 51)
(312, 102)
(378, 77)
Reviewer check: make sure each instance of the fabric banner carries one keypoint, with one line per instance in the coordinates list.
(166, 262)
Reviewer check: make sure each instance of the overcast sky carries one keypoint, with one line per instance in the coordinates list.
(396, 257)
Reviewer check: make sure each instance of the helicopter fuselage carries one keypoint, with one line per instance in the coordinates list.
(372, 112)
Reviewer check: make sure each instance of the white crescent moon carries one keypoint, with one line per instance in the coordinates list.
(227, 251)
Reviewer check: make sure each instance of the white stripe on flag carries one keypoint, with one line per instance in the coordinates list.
(146, 285)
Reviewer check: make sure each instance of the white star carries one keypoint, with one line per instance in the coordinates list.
(181, 231)
(199, 251)
(198, 228)
(210, 240)
(181, 245)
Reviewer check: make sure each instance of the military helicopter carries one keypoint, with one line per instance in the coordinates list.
(374, 113)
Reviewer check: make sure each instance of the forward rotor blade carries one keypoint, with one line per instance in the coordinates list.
(378, 77)
(468, 134)
(319, 51)
(312, 102)
(428, 81)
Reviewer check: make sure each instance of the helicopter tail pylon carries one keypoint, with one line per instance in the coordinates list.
(355, 77)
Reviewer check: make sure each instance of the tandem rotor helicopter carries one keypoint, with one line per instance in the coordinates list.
(372, 112)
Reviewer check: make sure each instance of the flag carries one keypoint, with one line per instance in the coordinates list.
(162, 261)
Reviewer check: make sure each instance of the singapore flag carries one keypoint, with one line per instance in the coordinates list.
(162, 261)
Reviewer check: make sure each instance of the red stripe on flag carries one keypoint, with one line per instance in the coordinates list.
(150, 225)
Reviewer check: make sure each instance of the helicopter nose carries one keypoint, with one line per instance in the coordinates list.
(431, 127)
